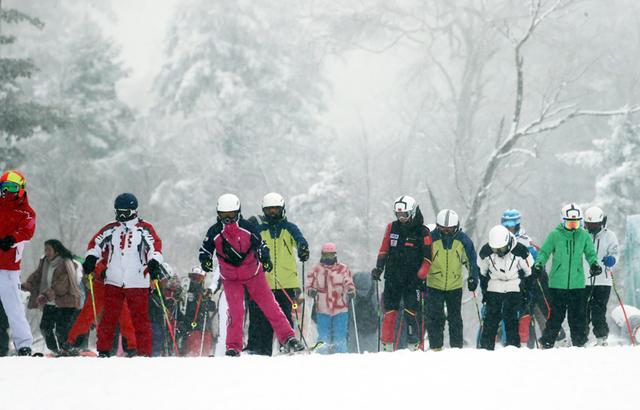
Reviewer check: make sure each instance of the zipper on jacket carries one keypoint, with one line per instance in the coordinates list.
(446, 269)
(571, 248)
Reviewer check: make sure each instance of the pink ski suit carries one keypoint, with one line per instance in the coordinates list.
(237, 246)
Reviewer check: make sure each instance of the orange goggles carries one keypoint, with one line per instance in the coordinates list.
(571, 224)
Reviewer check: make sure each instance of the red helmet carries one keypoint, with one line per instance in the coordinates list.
(13, 182)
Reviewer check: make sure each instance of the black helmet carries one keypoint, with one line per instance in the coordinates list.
(126, 201)
(126, 205)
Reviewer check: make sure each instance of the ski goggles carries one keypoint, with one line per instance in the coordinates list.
(10, 187)
(124, 214)
(571, 224)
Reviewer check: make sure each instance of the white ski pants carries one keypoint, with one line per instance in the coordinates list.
(14, 308)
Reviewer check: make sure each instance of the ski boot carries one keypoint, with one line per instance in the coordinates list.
(544, 345)
(104, 354)
(293, 345)
(601, 341)
(386, 347)
(24, 351)
(232, 353)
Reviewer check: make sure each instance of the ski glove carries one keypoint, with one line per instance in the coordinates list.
(376, 273)
(154, 269)
(536, 271)
(7, 242)
(89, 264)
(207, 265)
(472, 284)
(312, 292)
(267, 266)
(595, 269)
(210, 305)
(303, 252)
(609, 261)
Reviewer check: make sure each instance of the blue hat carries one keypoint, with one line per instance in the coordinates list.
(511, 218)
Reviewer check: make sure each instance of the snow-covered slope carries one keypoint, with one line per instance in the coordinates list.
(566, 378)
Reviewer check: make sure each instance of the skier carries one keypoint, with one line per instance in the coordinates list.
(568, 243)
(79, 333)
(599, 287)
(17, 226)
(538, 295)
(54, 289)
(281, 236)
(405, 258)
(164, 328)
(243, 256)
(452, 250)
(330, 283)
(134, 258)
(504, 263)
(196, 321)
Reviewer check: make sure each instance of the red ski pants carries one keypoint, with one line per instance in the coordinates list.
(260, 292)
(138, 301)
(83, 322)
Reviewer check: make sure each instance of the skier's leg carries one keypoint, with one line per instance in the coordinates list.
(47, 326)
(391, 301)
(411, 298)
(493, 308)
(234, 292)
(577, 317)
(4, 332)
(453, 299)
(260, 339)
(340, 327)
(323, 321)
(259, 291)
(558, 301)
(599, 311)
(138, 304)
(435, 317)
(127, 329)
(511, 305)
(14, 308)
(113, 299)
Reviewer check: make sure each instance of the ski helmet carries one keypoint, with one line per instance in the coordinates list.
(500, 240)
(448, 222)
(228, 203)
(12, 182)
(273, 200)
(197, 274)
(571, 216)
(511, 219)
(404, 208)
(126, 207)
(594, 219)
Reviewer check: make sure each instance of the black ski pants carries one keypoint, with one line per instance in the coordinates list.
(435, 302)
(571, 303)
(260, 331)
(501, 306)
(4, 332)
(55, 325)
(404, 288)
(597, 309)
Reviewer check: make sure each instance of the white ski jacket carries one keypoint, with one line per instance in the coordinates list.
(504, 273)
(606, 243)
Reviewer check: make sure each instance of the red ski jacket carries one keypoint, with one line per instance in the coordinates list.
(17, 219)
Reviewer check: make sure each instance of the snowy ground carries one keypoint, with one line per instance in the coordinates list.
(566, 378)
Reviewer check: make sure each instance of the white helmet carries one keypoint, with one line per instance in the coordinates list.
(197, 270)
(404, 208)
(228, 203)
(572, 212)
(447, 218)
(500, 240)
(272, 199)
(594, 215)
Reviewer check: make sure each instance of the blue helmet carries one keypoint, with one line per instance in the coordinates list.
(511, 218)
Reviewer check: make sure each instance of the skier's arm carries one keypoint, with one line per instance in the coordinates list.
(383, 253)
(99, 241)
(26, 228)
(208, 249)
(612, 249)
(348, 281)
(151, 238)
(546, 250)
(590, 251)
(297, 235)
(471, 256)
(425, 267)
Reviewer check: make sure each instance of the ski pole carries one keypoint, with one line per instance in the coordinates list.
(355, 325)
(378, 311)
(544, 297)
(195, 316)
(294, 306)
(624, 311)
(166, 318)
(475, 303)
(93, 301)
(304, 303)
(204, 329)
(422, 314)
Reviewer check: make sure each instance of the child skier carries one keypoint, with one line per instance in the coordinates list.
(196, 321)
(330, 283)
